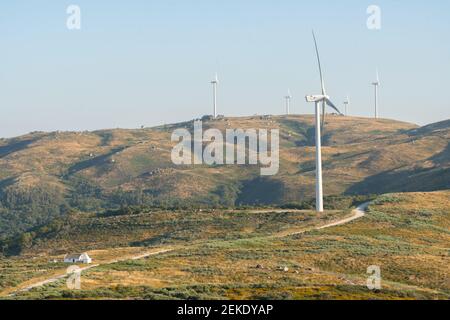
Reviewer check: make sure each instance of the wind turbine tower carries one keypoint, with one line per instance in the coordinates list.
(215, 82)
(288, 102)
(376, 84)
(320, 100)
(346, 104)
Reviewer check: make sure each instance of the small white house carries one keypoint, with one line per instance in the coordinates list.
(78, 258)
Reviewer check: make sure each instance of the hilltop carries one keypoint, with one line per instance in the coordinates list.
(48, 175)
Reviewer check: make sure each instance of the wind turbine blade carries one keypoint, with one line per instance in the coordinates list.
(331, 104)
(378, 77)
(322, 82)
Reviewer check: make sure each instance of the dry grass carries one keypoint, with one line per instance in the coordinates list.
(407, 235)
(359, 147)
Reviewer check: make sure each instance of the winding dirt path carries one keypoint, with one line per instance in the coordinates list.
(357, 213)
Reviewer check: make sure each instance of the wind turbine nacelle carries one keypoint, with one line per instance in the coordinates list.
(316, 98)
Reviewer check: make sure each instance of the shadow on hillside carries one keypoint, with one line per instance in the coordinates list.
(409, 180)
(106, 137)
(261, 191)
(153, 241)
(6, 183)
(83, 165)
(306, 132)
(429, 129)
(443, 157)
(15, 147)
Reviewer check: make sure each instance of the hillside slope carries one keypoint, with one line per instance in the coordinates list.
(45, 175)
(250, 254)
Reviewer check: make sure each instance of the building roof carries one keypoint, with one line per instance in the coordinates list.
(75, 256)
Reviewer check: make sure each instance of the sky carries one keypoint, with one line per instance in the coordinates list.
(148, 62)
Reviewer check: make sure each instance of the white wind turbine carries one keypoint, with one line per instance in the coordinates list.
(288, 102)
(346, 104)
(324, 100)
(376, 84)
(215, 82)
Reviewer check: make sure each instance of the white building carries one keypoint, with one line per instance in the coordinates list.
(78, 258)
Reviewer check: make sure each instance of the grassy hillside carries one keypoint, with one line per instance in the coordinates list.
(406, 235)
(137, 232)
(143, 227)
(48, 175)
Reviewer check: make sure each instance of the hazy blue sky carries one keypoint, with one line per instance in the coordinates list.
(147, 62)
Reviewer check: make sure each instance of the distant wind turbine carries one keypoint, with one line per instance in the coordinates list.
(215, 82)
(376, 84)
(346, 104)
(288, 102)
(318, 100)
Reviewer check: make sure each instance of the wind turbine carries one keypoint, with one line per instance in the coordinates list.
(376, 84)
(318, 100)
(288, 102)
(346, 104)
(215, 82)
